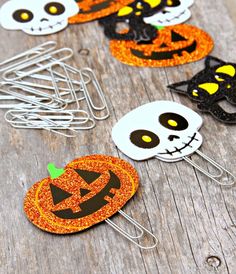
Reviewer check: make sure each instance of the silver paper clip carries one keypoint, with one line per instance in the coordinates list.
(130, 237)
(24, 57)
(99, 95)
(219, 168)
(14, 75)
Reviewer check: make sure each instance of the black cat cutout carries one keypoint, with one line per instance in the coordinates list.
(211, 85)
(133, 15)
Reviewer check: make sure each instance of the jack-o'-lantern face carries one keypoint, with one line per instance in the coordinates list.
(94, 9)
(89, 190)
(174, 45)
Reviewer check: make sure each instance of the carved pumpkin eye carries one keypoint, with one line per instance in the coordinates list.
(144, 138)
(58, 194)
(173, 121)
(54, 8)
(176, 37)
(23, 16)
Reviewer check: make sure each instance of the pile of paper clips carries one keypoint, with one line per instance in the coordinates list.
(40, 91)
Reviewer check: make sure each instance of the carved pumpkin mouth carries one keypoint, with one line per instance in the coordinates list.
(165, 55)
(93, 204)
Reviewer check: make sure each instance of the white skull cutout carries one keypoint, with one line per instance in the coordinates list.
(38, 17)
(162, 129)
(175, 12)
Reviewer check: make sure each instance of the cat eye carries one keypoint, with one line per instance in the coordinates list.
(173, 121)
(227, 69)
(23, 16)
(144, 138)
(54, 8)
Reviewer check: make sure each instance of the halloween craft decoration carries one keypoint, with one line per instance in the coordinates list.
(165, 130)
(37, 17)
(175, 12)
(216, 82)
(132, 16)
(175, 45)
(89, 190)
(86, 192)
(94, 9)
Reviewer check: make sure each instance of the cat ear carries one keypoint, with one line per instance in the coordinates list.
(181, 87)
(211, 61)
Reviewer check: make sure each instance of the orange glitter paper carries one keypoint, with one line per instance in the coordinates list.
(193, 45)
(102, 8)
(39, 204)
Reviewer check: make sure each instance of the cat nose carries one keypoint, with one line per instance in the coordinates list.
(172, 137)
(43, 19)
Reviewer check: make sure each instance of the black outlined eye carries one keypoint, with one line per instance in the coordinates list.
(54, 8)
(173, 121)
(144, 138)
(23, 16)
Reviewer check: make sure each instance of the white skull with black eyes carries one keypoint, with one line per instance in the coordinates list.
(38, 17)
(175, 12)
(162, 129)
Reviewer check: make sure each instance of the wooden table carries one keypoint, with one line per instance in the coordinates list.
(193, 218)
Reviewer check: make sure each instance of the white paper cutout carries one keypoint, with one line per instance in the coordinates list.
(173, 144)
(37, 17)
(170, 16)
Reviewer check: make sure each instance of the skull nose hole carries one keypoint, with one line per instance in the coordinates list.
(43, 19)
(172, 137)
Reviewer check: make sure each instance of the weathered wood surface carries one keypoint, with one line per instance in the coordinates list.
(193, 218)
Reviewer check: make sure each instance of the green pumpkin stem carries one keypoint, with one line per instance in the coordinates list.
(55, 172)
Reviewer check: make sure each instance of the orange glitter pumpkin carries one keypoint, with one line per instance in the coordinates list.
(94, 9)
(174, 45)
(89, 190)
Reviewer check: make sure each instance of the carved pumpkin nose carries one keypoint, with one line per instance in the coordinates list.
(172, 137)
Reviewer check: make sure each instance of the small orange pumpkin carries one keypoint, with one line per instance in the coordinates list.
(174, 45)
(89, 190)
(94, 9)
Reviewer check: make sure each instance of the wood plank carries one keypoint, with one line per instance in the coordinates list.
(193, 218)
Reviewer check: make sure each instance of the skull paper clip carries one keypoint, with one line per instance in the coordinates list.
(37, 17)
(87, 191)
(175, 12)
(165, 130)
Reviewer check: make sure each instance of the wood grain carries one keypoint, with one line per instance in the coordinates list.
(193, 218)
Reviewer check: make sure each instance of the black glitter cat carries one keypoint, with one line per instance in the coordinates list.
(133, 16)
(214, 83)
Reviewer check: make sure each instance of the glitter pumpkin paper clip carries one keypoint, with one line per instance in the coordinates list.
(174, 45)
(167, 131)
(87, 191)
(95, 9)
(215, 83)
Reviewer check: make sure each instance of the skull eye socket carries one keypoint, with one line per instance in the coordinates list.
(144, 138)
(173, 121)
(23, 16)
(54, 8)
(173, 3)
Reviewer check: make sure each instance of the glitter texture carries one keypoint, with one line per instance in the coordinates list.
(38, 203)
(89, 11)
(164, 52)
